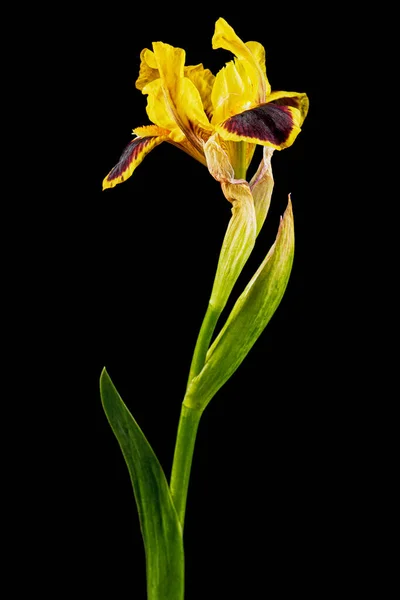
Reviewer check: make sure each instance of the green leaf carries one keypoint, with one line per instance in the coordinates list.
(161, 530)
(248, 318)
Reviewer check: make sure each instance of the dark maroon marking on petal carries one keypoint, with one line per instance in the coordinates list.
(130, 154)
(266, 122)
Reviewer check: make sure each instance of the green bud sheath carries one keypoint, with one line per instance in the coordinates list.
(248, 318)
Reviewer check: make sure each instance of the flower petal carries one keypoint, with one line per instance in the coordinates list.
(158, 109)
(148, 71)
(203, 79)
(267, 124)
(182, 98)
(131, 157)
(232, 92)
(251, 54)
(258, 51)
(299, 101)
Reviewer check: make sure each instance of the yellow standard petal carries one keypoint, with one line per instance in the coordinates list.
(232, 92)
(148, 70)
(159, 111)
(203, 80)
(250, 55)
(182, 98)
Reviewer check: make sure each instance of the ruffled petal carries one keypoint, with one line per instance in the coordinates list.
(258, 51)
(184, 145)
(150, 130)
(158, 110)
(183, 99)
(267, 124)
(131, 157)
(299, 101)
(252, 56)
(148, 70)
(203, 80)
(232, 92)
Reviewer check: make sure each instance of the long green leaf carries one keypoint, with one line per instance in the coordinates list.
(162, 533)
(248, 318)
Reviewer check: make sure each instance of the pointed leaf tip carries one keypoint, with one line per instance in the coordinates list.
(161, 530)
(248, 318)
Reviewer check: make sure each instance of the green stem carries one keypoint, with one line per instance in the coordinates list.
(240, 161)
(203, 341)
(189, 420)
(182, 463)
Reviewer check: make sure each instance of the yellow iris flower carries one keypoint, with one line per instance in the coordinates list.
(219, 119)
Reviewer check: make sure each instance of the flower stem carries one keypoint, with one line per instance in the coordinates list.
(240, 160)
(182, 463)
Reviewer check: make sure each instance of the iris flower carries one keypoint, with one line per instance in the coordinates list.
(218, 120)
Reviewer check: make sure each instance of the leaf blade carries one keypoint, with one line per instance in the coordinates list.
(161, 530)
(248, 318)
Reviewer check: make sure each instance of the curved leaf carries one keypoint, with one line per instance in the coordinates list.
(248, 318)
(161, 530)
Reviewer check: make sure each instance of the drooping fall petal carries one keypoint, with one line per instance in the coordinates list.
(251, 56)
(267, 124)
(295, 99)
(131, 157)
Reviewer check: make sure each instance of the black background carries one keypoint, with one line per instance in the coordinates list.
(273, 505)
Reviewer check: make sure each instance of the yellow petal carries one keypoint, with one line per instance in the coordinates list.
(258, 51)
(182, 99)
(133, 155)
(150, 130)
(295, 99)
(148, 69)
(203, 80)
(251, 55)
(232, 92)
(154, 130)
(158, 110)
